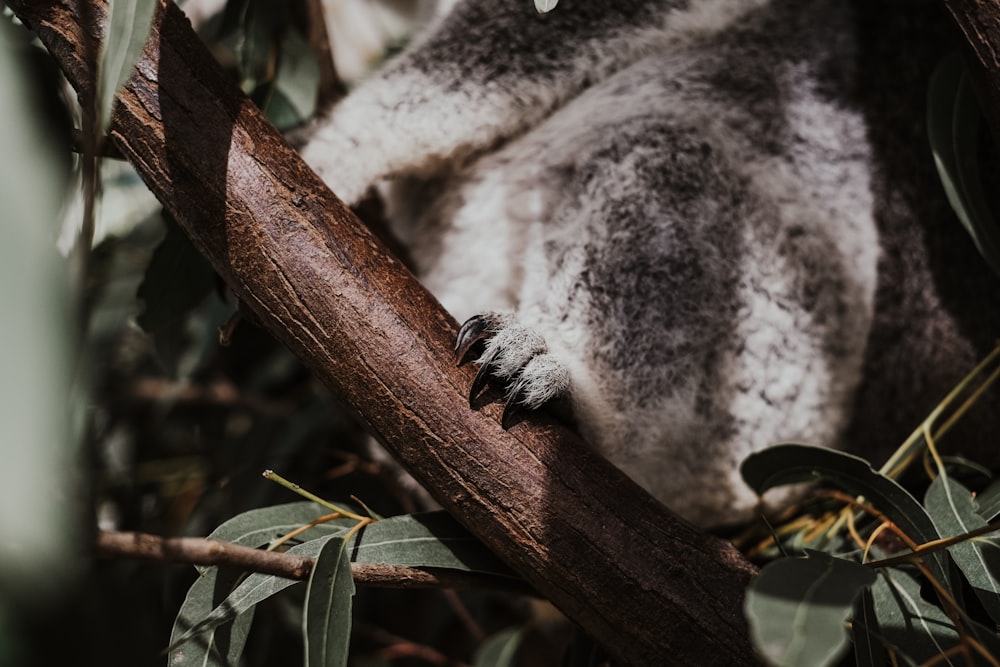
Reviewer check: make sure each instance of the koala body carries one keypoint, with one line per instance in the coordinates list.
(662, 212)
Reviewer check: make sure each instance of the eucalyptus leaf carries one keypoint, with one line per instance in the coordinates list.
(797, 608)
(254, 589)
(988, 502)
(953, 510)
(916, 629)
(128, 27)
(868, 649)
(258, 527)
(794, 464)
(545, 6)
(220, 647)
(953, 120)
(500, 650)
(326, 621)
(177, 279)
(434, 539)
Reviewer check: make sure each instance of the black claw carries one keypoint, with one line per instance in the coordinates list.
(475, 329)
(479, 383)
(511, 410)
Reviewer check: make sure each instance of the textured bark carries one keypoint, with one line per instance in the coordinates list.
(648, 586)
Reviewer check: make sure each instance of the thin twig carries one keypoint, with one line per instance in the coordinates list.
(202, 551)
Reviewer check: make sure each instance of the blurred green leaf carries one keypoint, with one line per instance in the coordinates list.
(952, 508)
(39, 502)
(326, 623)
(128, 26)
(297, 79)
(177, 279)
(953, 119)
(797, 608)
(500, 649)
(794, 464)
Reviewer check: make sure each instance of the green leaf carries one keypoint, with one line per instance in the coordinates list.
(128, 27)
(41, 351)
(794, 464)
(953, 119)
(254, 589)
(988, 502)
(221, 647)
(326, 623)
(797, 608)
(258, 527)
(545, 6)
(916, 629)
(500, 649)
(426, 540)
(177, 279)
(297, 78)
(951, 506)
(868, 650)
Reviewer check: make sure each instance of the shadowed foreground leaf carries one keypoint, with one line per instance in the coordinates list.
(794, 464)
(797, 608)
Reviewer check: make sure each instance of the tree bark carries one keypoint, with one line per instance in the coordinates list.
(644, 583)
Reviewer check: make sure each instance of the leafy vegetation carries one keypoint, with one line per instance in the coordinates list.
(864, 563)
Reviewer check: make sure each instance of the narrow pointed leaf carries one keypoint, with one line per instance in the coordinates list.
(794, 464)
(128, 27)
(868, 650)
(500, 650)
(326, 621)
(797, 608)
(425, 540)
(951, 506)
(953, 119)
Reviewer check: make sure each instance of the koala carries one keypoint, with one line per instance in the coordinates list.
(671, 216)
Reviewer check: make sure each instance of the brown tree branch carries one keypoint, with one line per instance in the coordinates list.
(636, 577)
(202, 551)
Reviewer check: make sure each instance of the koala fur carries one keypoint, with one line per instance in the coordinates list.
(672, 215)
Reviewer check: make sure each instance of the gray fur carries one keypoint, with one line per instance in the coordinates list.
(667, 208)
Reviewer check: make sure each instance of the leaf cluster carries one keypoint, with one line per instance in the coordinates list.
(907, 581)
(214, 621)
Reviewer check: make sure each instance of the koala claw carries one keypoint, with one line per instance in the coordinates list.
(475, 329)
(516, 355)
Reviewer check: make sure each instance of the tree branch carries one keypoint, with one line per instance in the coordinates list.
(202, 551)
(635, 576)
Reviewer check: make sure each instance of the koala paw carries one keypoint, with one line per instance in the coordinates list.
(517, 356)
